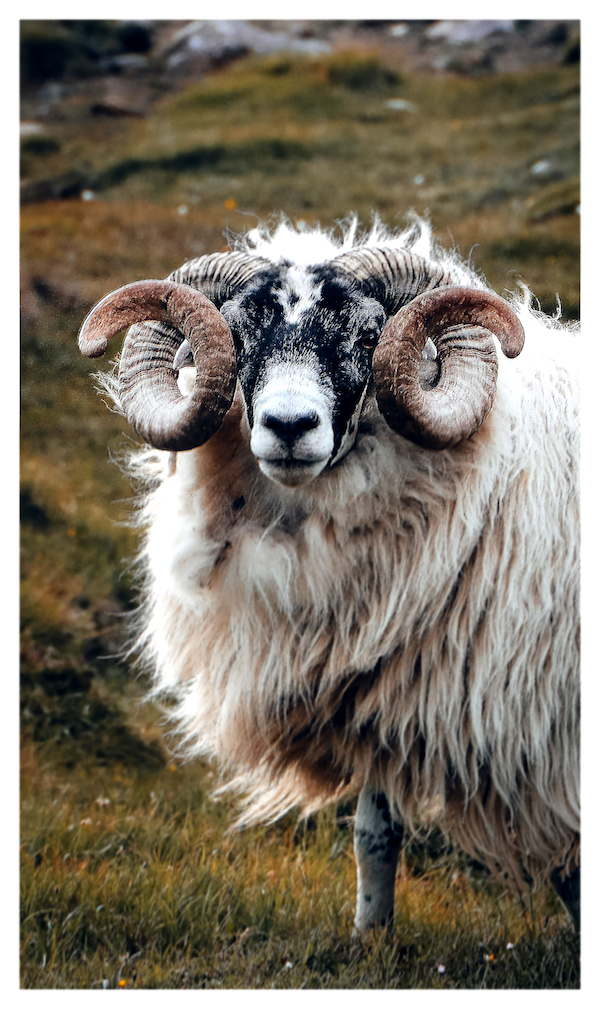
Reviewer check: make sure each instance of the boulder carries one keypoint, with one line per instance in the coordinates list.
(203, 45)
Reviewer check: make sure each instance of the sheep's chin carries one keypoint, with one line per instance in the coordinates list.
(291, 473)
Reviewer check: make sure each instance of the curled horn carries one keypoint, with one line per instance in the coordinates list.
(392, 276)
(460, 321)
(148, 388)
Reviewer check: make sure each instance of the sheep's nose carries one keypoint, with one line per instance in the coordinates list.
(288, 427)
(291, 429)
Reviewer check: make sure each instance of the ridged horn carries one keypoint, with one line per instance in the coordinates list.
(221, 274)
(392, 276)
(148, 388)
(460, 321)
(188, 301)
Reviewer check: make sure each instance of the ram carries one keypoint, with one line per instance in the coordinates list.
(360, 540)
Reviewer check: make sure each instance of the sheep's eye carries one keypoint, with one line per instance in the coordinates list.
(369, 338)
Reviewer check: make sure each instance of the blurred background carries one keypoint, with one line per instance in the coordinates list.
(143, 143)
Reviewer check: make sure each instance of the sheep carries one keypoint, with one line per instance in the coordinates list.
(360, 540)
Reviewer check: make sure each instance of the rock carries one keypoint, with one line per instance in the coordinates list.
(125, 63)
(30, 129)
(399, 30)
(465, 32)
(401, 105)
(202, 45)
(121, 97)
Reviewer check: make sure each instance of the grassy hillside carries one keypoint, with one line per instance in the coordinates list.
(129, 878)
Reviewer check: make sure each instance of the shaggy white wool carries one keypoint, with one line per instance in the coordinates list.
(408, 618)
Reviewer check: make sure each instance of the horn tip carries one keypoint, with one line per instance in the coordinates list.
(92, 346)
(514, 348)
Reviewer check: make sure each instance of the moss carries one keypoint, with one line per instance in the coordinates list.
(70, 721)
(225, 159)
(360, 72)
(39, 145)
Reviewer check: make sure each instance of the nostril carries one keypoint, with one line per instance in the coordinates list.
(289, 427)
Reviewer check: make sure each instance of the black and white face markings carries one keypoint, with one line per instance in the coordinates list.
(305, 338)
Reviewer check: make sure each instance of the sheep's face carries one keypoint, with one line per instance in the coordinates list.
(305, 341)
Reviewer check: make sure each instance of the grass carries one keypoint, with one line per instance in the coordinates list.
(129, 877)
(318, 137)
(134, 880)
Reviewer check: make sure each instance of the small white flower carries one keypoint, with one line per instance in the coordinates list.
(441, 968)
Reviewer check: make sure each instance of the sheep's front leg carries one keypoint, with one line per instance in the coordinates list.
(377, 843)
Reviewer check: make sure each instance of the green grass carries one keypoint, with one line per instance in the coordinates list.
(134, 879)
(318, 137)
(148, 888)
